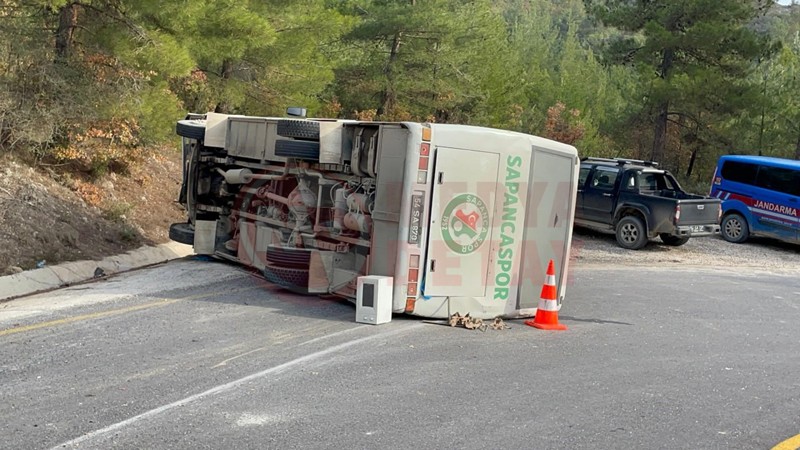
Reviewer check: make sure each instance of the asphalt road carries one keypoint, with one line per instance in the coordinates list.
(197, 355)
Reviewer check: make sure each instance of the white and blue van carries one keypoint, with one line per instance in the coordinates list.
(760, 197)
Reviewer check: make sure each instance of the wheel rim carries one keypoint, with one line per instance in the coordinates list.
(630, 233)
(733, 228)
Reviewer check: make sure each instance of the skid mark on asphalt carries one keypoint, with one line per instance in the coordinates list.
(225, 363)
(228, 386)
(115, 312)
(283, 337)
(328, 336)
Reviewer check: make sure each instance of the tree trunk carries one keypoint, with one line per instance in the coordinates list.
(662, 111)
(761, 125)
(692, 159)
(797, 148)
(389, 95)
(67, 22)
(660, 133)
(223, 106)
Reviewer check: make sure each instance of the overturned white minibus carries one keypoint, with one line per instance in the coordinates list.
(450, 218)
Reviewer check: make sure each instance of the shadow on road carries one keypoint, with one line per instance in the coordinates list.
(600, 321)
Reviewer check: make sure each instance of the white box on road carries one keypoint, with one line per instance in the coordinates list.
(374, 299)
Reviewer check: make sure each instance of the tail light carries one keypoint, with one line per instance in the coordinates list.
(677, 214)
(412, 289)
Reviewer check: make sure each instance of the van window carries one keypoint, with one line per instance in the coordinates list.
(777, 179)
(739, 172)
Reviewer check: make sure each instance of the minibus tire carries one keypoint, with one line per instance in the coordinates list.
(299, 129)
(631, 233)
(299, 258)
(294, 280)
(191, 129)
(675, 241)
(734, 228)
(182, 232)
(297, 149)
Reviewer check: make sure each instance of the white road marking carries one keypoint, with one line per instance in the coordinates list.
(228, 386)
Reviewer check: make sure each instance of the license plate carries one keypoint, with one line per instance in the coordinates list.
(697, 228)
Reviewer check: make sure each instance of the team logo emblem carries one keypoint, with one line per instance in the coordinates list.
(465, 223)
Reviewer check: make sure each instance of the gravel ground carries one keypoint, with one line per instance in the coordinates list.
(756, 255)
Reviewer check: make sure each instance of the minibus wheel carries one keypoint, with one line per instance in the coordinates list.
(298, 258)
(192, 129)
(297, 149)
(734, 228)
(293, 280)
(299, 129)
(182, 232)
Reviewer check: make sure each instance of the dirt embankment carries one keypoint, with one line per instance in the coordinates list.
(49, 215)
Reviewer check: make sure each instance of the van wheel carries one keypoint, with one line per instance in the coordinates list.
(631, 233)
(734, 228)
(675, 241)
(299, 129)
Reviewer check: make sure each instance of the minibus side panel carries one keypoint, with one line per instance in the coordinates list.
(462, 210)
(548, 223)
(388, 198)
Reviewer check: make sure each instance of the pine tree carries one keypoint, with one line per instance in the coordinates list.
(693, 56)
(442, 60)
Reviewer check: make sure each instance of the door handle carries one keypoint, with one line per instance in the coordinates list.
(433, 266)
(606, 194)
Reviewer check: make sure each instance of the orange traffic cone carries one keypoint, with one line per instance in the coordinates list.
(547, 314)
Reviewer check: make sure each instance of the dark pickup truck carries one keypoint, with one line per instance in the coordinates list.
(638, 201)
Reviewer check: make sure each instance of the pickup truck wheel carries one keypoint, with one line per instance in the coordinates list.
(675, 241)
(631, 233)
(734, 228)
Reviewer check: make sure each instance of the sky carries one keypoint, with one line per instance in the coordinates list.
(784, 2)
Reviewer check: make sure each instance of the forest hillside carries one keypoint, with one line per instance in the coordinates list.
(90, 90)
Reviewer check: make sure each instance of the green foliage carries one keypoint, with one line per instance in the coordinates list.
(441, 60)
(117, 211)
(679, 50)
(93, 82)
